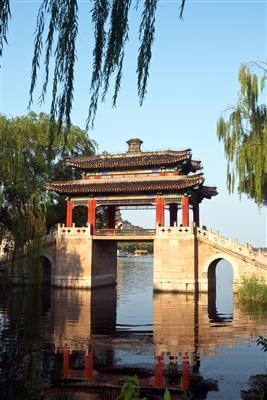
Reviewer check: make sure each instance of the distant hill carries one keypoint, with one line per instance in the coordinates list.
(125, 224)
(128, 225)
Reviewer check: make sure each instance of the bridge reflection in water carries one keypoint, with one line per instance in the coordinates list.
(186, 327)
(95, 338)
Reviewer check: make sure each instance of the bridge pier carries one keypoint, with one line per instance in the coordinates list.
(82, 262)
(104, 263)
(176, 261)
(74, 250)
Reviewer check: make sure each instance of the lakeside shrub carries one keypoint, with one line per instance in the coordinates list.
(131, 390)
(253, 289)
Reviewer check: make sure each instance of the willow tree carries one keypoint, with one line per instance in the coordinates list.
(26, 210)
(56, 34)
(243, 130)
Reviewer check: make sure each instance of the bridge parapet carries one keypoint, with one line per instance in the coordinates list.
(62, 230)
(166, 231)
(125, 232)
(232, 245)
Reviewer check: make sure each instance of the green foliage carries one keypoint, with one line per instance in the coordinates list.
(167, 395)
(63, 20)
(130, 389)
(57, 21)
(130, 247)
(146, 34)
(244, 134)
(253, 289)
(4, 18)
(27, 162)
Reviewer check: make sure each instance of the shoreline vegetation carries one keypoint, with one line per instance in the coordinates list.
(253, 290)
(135, 248)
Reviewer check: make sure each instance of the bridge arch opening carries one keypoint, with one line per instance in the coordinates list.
(220, 287)
(135, 283)
(47, 270)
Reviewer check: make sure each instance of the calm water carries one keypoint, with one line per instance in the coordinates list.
(201, 347)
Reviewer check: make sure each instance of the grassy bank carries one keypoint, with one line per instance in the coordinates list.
(253, 289)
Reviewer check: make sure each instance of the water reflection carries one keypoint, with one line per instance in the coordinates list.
(71, 336)
(135, 294)
(70, 319)
(190, 324)
(21, 344)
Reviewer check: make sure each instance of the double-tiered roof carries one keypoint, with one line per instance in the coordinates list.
(136, 173)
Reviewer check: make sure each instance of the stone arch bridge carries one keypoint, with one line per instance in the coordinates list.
(185, 258)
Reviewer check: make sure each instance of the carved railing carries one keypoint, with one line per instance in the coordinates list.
(233, 246)
(125, 232)
(174, 230)
(84, 230)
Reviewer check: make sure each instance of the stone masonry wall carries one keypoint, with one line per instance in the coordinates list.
(73, 258)
(174, 259)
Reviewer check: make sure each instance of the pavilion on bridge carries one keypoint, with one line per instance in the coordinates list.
(165, 179)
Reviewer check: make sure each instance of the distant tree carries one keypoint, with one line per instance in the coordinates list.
(110, 20)
(132, 246)
(27, 162)
(243, 131)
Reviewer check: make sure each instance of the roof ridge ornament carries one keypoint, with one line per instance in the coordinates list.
(134, 145)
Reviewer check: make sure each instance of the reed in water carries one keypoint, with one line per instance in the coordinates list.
(253, 289)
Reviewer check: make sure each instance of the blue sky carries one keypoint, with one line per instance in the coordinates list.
(193, 78)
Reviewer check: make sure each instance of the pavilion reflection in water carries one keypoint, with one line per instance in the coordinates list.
(186, 327)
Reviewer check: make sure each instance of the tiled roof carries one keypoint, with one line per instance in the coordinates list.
(195, 165)
(208, 191)
(130, 161)
(120, 187)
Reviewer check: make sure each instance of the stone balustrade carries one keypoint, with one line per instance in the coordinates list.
(73, 231)
(232, 245)
(174, 230)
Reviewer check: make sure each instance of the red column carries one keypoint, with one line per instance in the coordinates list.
(160, 211)
(111, 217)
(185, 373)
(173, 214)
(66, 362)
(88, 365)
(69, 213)
(196, 214)
(91, 215)
(185, 211)
(159, 369)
